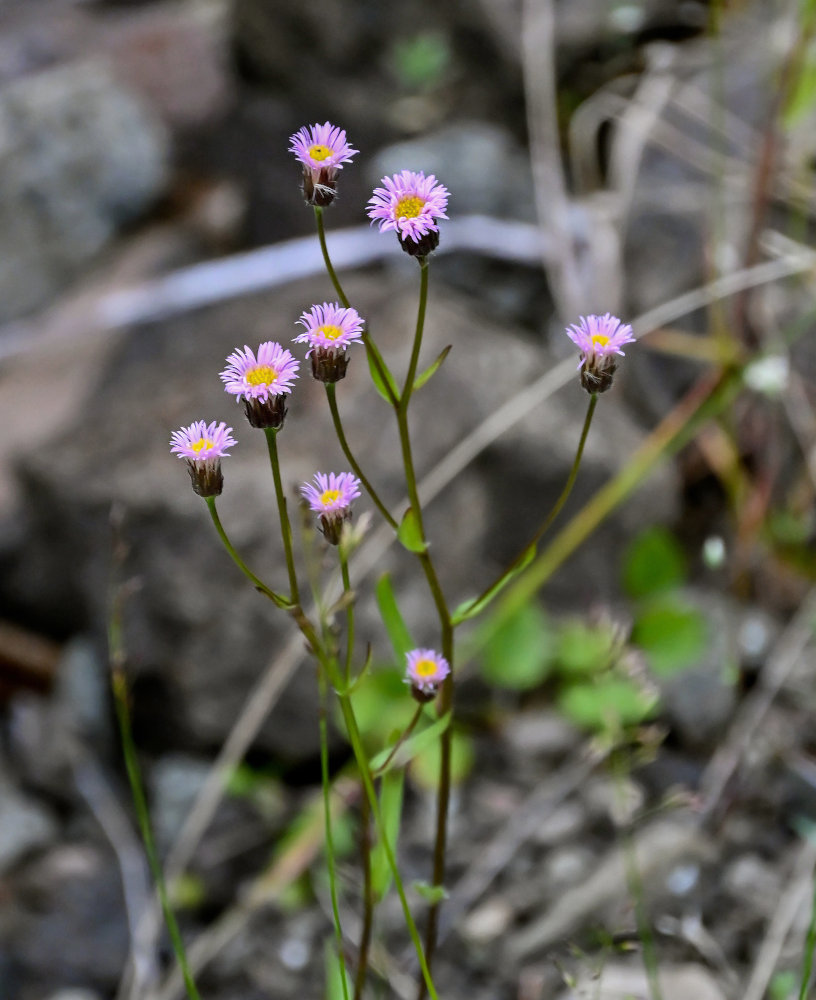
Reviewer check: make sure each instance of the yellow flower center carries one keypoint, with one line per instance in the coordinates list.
(409, 207)
(600, 339)
(203, 444)
(318, 152)
(329, 497)
(262, 375)
(426, 668)
(330, 332)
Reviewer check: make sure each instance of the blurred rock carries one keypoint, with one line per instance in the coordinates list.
(540, 733)
(193, 627)
(753, 882)
(619, 981)
(176, 781)
(81, 157)
(25, 824)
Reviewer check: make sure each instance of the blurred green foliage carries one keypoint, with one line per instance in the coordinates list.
(421, 62)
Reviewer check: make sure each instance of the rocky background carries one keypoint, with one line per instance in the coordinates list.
(147, 204)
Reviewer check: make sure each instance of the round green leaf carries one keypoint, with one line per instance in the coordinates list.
(519, 654)
(654, 563)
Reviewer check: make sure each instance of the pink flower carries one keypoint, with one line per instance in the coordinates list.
(262, 382)
(331, 327)
(425, 671)
(203, 446)
(600, 339)
(331, 498)
(322, 149)
(409, 203)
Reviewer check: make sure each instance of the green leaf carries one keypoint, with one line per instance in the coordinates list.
(395, 626)
(608, 703)
(413, 746)
(519, 654)
(334, 974)
(583, 648)
(376, 364)
(432, 369)
(410, 534)
(430, 893)
(672, 633)
(424, 768)
(382, 705)
(654, 563)
(475, 605)
(391, 811)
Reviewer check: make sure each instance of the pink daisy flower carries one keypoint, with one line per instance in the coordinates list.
(203, 446)
(329, 329)
(425, 670)
(262, 382)
(600, 339)
(410, 203)
(331, 497)
(322, 149)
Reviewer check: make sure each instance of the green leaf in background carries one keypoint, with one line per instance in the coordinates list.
(583, 648)
(421, 61)
(409, 533)
(334, 974)
(391, 810)
(519, 654)
(432, 369)
(803, 94)
(382, 705)
(376, 364)
(672, 633)
(424, 769)
(654, 563)
(475, 605)
(609, 702)
(430, 893)
(395, 626)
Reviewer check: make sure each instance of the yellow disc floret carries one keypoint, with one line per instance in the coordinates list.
(600, 339)
(319, 152)
(330, 332)
(203, 444)
(409, 207)
(329, 497)
(262, 375)
(426, 668)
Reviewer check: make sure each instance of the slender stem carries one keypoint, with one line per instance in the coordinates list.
(420, 326)
(368, 783)
(368, 899)
(321, 235)
(331, 395)
(810, 947)
(286, 527)
(331, 858)
(239, 562)
(402, 738)
(120, 697)
(553, 514)
(344, 570)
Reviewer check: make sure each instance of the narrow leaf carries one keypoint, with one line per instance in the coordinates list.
(476, 605)
(391, 811)
(412, 746)
(376, 366)
(432, 369)
(432, 894)
(410, 534)
(398, 633)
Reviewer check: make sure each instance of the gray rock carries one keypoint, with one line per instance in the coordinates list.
(620, 981)
(79, 157)
(25, 824)
(193, 626)
(176, 780)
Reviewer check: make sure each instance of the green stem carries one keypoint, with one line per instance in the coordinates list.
(402, 738)
(331, 859)
(368, 784)
(344, 571)
(368, 899)
(553, 514)
(321, 235)
(420, 326)
(331, 395)
(278, 599)
(120, 697)
(286, 527)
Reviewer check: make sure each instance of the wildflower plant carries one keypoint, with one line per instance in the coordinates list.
(411, 205)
